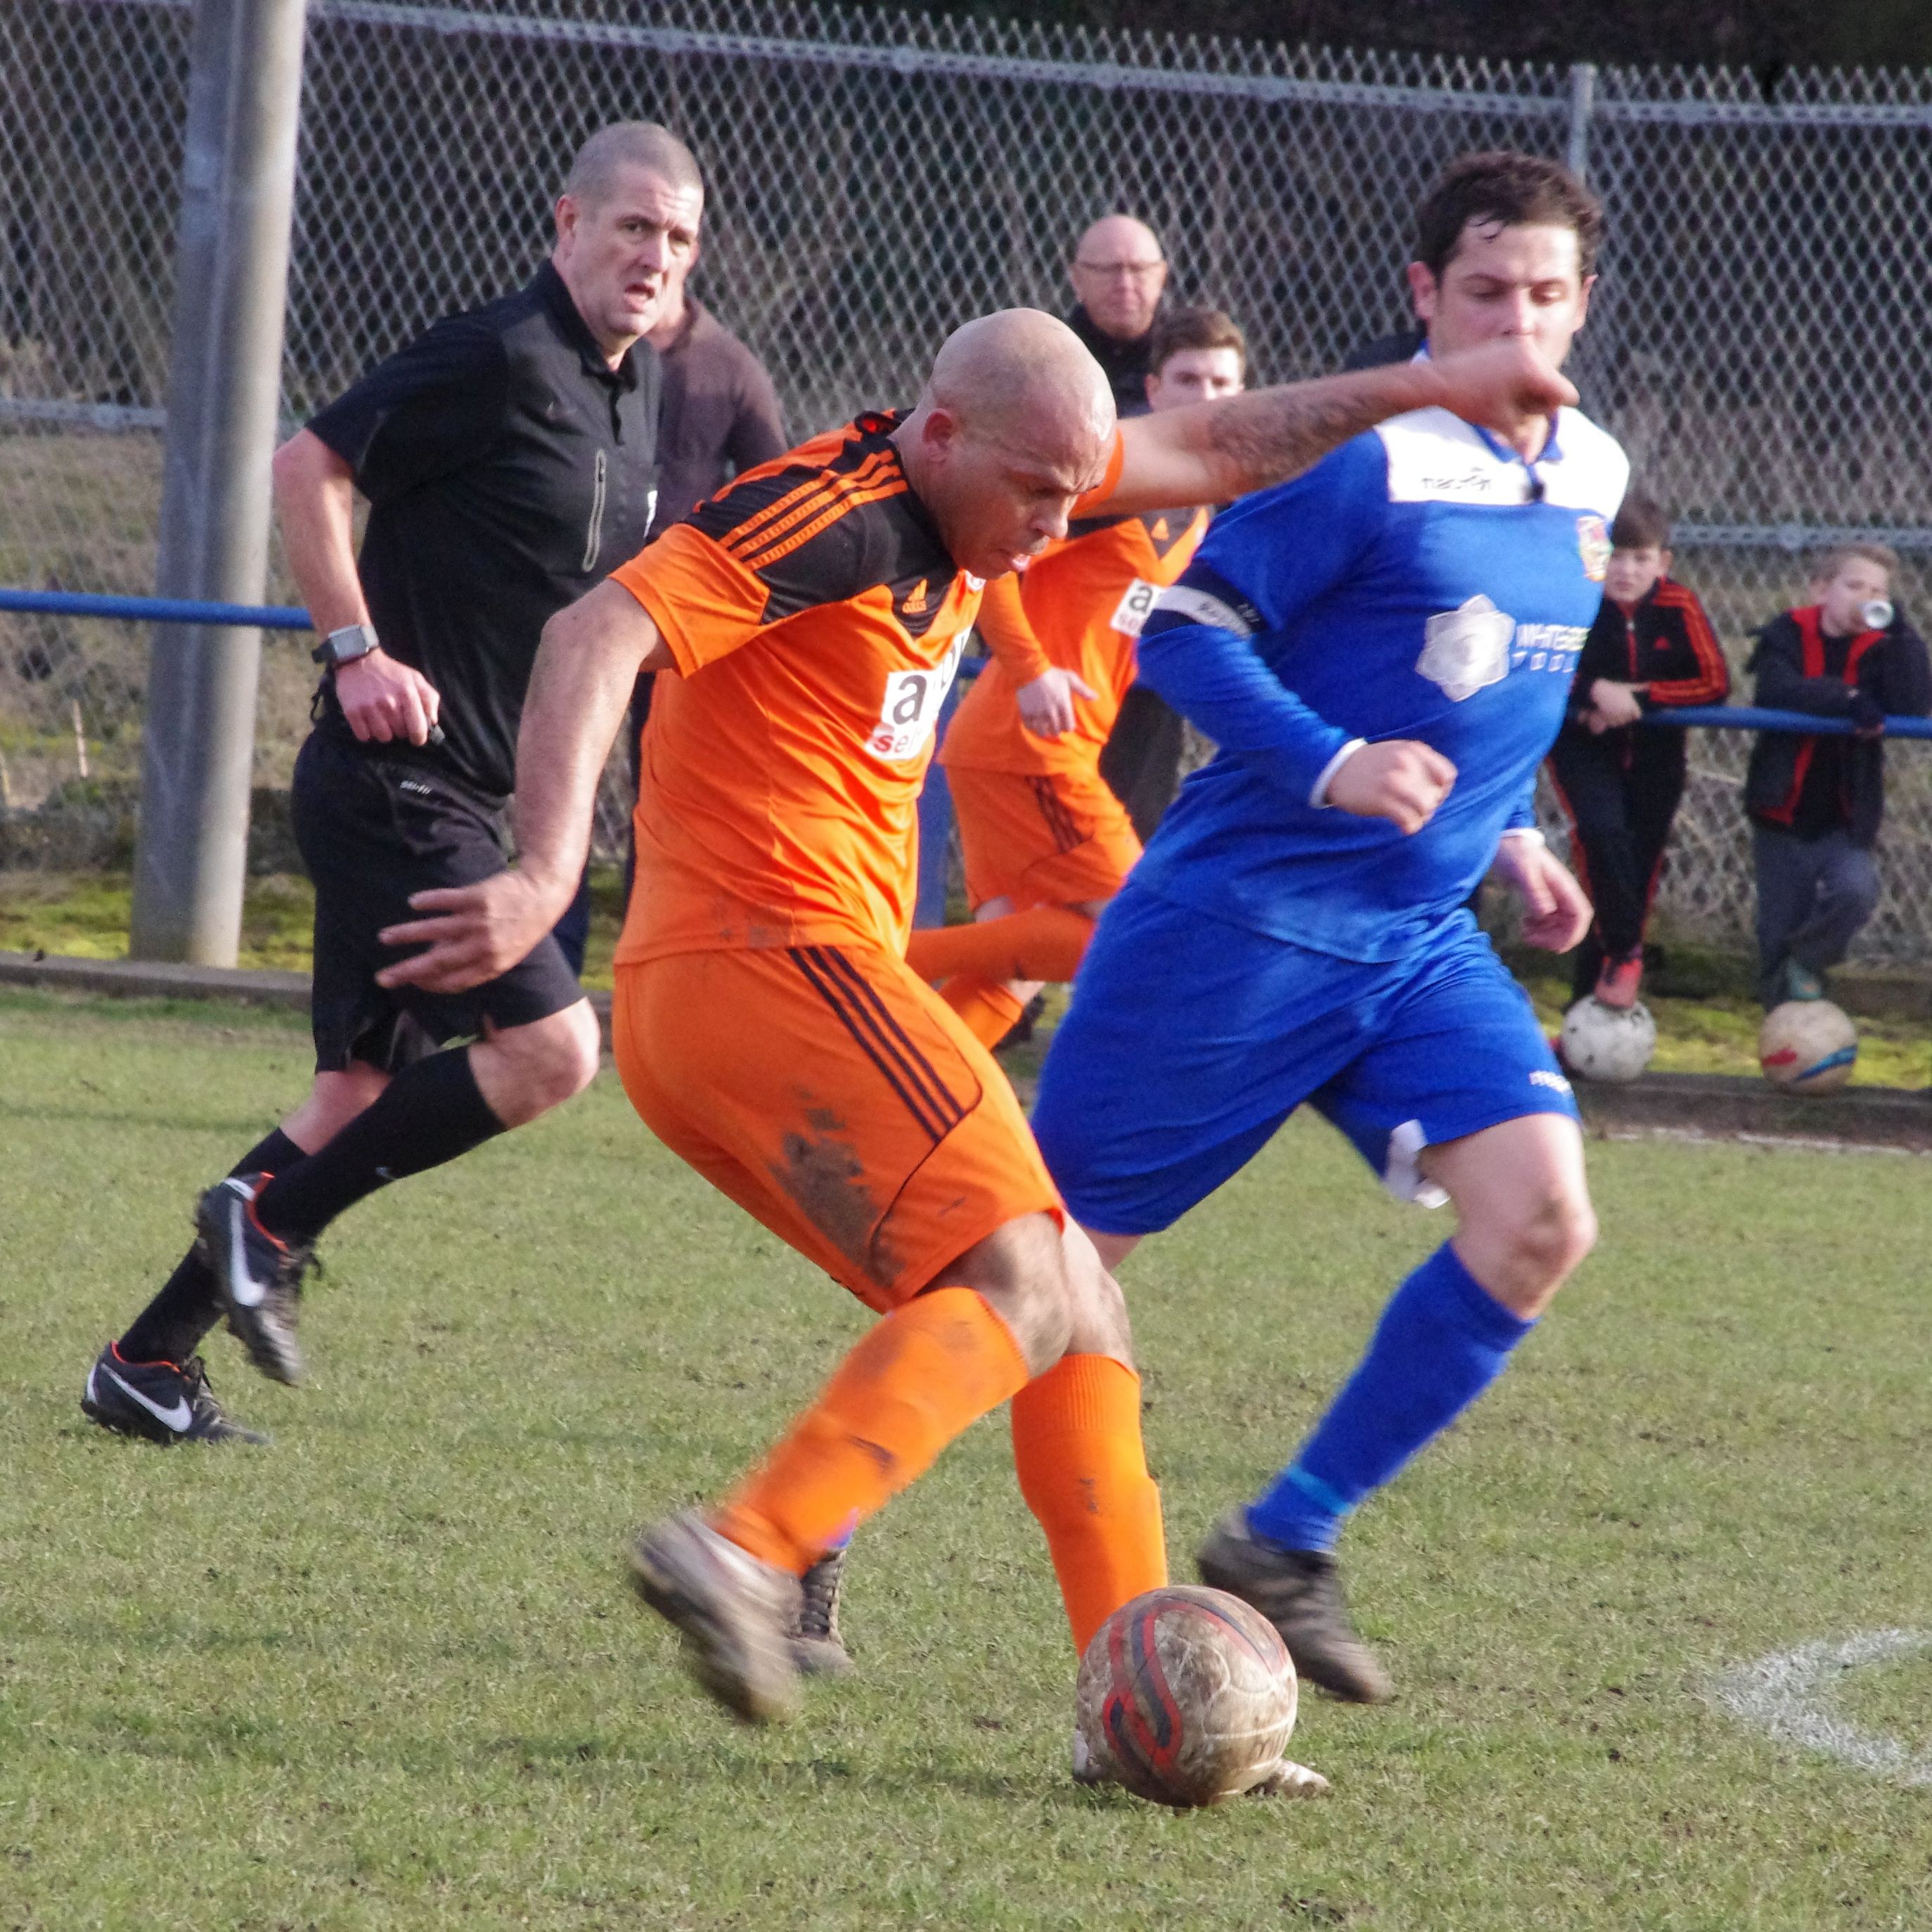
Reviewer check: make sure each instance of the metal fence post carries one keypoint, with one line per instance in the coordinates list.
(224, 387)
(1583, 99)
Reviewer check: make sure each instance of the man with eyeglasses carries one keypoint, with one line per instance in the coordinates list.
(1119, 272)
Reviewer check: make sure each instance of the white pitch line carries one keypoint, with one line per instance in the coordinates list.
(1787, 1695)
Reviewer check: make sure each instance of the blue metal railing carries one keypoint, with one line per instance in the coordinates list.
(156, 610)
(935, 811)
(1750, 718)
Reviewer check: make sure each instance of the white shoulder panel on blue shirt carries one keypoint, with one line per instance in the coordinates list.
(1436, 458)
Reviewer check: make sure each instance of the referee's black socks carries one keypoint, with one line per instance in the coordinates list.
(430, 1113)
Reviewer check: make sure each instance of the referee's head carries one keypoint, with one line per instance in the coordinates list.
(627, 229)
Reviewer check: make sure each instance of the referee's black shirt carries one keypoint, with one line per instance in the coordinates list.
(509, 469)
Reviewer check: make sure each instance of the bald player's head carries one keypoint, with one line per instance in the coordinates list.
(1015, 421)
(1118, 271)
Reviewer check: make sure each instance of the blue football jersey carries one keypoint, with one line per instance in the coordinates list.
(1423, 581)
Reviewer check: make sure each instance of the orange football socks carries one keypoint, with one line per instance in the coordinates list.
(919, 1378)
(1083, 1474)
(1042, 943)
(990, 1011)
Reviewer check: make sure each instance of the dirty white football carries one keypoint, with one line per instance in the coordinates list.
(1604, 1043)
(1807, 1046)
(1186, 1696)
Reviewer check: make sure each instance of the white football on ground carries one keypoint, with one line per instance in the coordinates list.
(1807, 1046)
(1186, 1696)
(1604, 1043)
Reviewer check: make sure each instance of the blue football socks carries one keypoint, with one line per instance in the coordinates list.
(1442, 1339)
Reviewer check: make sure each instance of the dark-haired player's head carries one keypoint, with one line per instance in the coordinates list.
(1195, 354)
(627, 229)
(1506, 245)
(1639, 550)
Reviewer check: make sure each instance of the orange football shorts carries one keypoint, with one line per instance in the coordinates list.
(1041, 838)
(837, 1098)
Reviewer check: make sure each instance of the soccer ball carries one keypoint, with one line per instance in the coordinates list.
(1807, 1046)
(1608, 1042)
(1186, 1696)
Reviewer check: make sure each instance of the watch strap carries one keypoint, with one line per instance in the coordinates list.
(346, 645)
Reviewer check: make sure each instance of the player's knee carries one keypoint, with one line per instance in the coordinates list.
(1556, 1229)
(1021, 1273)
(572, 1062)
(544, 1063)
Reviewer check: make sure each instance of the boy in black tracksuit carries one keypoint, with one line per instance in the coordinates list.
(1815, 803)
(1619, 780)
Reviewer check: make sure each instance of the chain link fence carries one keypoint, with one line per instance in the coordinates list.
(875, 179)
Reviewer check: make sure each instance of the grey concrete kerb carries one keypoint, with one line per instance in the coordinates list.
(147, 980)
(1694, 1105)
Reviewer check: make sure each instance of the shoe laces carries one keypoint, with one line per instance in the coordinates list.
(818, 1596)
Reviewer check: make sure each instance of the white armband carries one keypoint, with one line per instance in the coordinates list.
(1533, 833)
(1318, 797)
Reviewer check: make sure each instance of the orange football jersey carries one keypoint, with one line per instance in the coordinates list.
(1085, 599)
(816, 621)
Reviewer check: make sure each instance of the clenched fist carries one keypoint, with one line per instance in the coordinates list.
(1403, 781)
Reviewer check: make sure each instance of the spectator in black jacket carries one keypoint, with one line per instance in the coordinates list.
(1815, 803)
(1650, 646)
(1119, 272)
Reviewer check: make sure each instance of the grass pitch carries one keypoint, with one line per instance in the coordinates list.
(384, 1675)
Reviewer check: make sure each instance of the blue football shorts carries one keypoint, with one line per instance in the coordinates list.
(1190, 1040)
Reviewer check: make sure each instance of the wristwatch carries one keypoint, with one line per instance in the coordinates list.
(346, 646)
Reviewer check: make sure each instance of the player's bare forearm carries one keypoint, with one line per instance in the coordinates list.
(580, 689)
(1214, 451)
(315, 505)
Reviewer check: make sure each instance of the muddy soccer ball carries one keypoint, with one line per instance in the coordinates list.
(1186, 1696)
(1807, 1046)
(1604, 1043)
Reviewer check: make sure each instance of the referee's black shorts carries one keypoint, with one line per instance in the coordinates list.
(373, 830)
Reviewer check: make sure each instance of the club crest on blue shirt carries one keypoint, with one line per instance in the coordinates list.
(1593, 546)
(1466, 649)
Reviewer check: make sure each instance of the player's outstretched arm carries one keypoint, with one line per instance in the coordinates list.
(580, 689)
(1213, 452)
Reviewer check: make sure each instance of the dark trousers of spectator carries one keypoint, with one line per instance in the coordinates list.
(1140, 760)
(1621, 819)
(572, 931)
(1813, 897)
